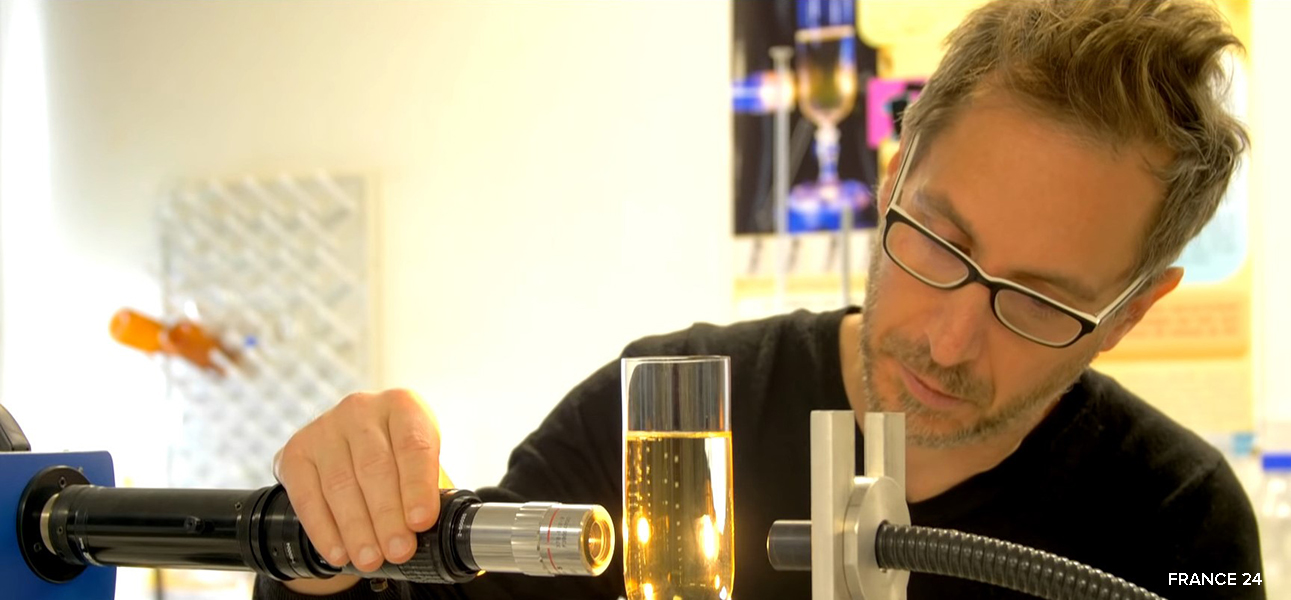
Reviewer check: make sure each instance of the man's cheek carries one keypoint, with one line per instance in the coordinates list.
(900, 291)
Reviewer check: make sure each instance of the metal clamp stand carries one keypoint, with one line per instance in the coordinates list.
(837, 544)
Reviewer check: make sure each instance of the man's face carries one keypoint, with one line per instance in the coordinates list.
(1028, 202)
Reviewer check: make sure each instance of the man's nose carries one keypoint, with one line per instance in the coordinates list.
(956, 331)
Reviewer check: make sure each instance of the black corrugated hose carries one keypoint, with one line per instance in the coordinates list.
(1004, 564)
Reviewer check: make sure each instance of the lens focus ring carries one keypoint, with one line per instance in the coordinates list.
(526, 539)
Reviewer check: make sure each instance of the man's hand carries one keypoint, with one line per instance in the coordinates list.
(363, 478)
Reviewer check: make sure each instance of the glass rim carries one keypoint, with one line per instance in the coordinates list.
(676, 393)
(681, 358)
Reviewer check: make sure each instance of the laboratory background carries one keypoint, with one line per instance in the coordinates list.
(485, 201)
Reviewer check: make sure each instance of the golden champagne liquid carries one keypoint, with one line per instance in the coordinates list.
(678, 524)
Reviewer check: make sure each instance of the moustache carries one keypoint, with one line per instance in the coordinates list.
(957, 381)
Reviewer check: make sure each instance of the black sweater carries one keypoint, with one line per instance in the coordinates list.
(1105, 479)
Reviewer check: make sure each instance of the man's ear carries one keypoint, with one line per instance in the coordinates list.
(1138, 307)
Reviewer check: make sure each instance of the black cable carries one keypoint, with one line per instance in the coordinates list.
(1004, 564)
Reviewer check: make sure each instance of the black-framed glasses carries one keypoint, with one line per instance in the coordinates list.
(934, 261)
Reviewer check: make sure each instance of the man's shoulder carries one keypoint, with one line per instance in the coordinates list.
(1174, 491)
(1144, 426)
(739, 337)
(1132, 442)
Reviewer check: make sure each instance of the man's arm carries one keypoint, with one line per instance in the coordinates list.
(572, 457)
(1209, 527)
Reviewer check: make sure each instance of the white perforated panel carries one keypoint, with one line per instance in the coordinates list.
(280, 269)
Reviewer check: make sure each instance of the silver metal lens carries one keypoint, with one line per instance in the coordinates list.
(542, 539)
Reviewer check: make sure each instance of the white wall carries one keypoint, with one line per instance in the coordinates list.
(555, 182)
(1271, 245)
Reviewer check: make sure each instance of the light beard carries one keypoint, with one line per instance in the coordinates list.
(957, 380)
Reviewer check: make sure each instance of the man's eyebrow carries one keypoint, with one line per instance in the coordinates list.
(1077, 289)
(938, 204)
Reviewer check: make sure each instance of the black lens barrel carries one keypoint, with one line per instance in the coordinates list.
(256, 530)
(179, 528)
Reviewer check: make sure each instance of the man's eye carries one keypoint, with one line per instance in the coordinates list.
(1042, 309)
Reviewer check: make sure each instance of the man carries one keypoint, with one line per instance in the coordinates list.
(1053, 168)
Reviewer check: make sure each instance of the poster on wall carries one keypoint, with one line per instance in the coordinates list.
(813, 121)
(832, 161)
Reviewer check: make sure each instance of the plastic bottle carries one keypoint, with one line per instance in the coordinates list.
(1275, 524)
(184, 338)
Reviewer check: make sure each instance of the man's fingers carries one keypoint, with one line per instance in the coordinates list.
(349, 508)
(363, 478)
(378, 476)
(306, 495)
(415, 439)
